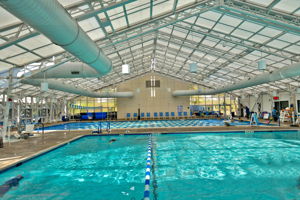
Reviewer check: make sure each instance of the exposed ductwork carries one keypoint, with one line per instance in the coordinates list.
(58, 85)
(51, 19)
(68, 70)
(283, 73)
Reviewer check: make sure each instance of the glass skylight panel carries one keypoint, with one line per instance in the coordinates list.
(275, 58)
(195, 37)
(223, 28)
(191, 19)
(270, 32)
(96, 34)
(295, 49)
(288, 37)
(287, 5)
(187, 50)
(161, 8)
(278, 44)
(4, 66)
(10, 51)
(241, 33)
(279, 64)
(108, 29)
(184, 2)
(2, 41)
(249, 26)
(35, 42)
(119, 23)
(209, 42)
(89, 24)
(211, 15)
(205, 23)
(135, 5)
(180, 33)
(138, 16)
(223, 47)
(68, 2)
(49, 50)
(259, 38)
(198, 53)
(236, 50)
(252, 57)
(24, 58)
(115, 13)
(7, 18)
(260, 2)
(228, 20)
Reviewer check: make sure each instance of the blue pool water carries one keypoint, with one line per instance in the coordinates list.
(212, 166)
(142, 124)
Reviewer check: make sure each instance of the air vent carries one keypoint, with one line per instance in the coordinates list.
(75, 72)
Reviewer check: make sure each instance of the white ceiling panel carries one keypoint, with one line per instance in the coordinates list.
(259, 38)
(288, 37)
(228, 20)
(278, 44)
(295, 49)
(223, 28)
(35, 42)
(7, 18)
(260, 2)
(10, 51)
(251, 27)
(96, 34)
(24, 58)
(270, 32)
(49, 50)
(211, 15)
(204, 22)
(89, 24)
(287, 5)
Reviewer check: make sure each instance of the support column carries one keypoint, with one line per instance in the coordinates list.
(7, 105)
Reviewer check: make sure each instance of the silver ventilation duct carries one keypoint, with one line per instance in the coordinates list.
(283, 73)
(68, 70)
(51, 19)
(58, 85)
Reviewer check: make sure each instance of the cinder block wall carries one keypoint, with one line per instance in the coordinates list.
(162, 102)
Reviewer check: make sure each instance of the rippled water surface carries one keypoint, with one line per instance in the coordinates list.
(211, 166)
(263, 166)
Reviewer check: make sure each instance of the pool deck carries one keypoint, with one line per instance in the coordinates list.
(21, 150)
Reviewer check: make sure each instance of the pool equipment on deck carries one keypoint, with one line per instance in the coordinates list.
(254, 119)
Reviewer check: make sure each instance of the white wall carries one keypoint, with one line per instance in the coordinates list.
(162, 102)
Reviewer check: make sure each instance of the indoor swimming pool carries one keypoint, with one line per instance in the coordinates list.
(143, 124)
(210, 166)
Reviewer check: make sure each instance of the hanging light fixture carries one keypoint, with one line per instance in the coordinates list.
(125, 69)
(193, 67)
(262, 65)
